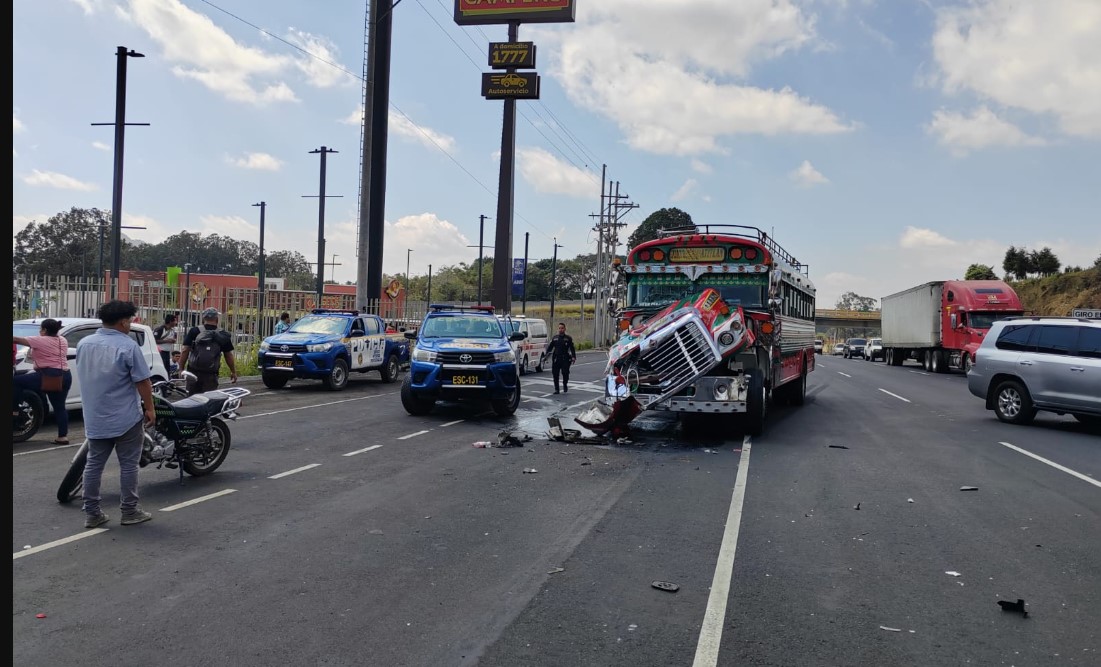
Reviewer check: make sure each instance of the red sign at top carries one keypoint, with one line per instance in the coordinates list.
(482, 12)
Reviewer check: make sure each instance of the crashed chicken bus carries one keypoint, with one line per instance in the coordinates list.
(716, 319)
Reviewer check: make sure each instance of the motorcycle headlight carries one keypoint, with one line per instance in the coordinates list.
(507, 355)
(320, 347)
(427, 356)
(265, 346)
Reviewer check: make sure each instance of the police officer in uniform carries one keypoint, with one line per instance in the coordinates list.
(562, 354)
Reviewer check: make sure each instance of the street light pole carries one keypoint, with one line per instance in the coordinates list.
(408, 252)
(260, 302)
(428, 294)
(524, 289)
(554, 278)
(481, 245)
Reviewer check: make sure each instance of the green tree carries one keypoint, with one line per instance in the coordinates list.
(67, 244)
(853, 301)
(980, 272)
(662, 219)
(1044, 262)
(1017, 263)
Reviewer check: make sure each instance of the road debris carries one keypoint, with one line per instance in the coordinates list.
(838, 447)
(909, 500)
(856, 507)
(482, 444)
(530, 471)
(665, 586)
(969, 488)
(557, 570)
(952, 573)
(375, 531)
(884, 627)
(1016, 607)
(40, 616)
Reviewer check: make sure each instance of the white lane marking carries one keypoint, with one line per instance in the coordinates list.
(895, 395)
(360, 451)
(316, 405)
(48, 449)
(457, 421)
(291, 472)
(588, 363)
(57, 543)
(413, 435)
(845, 374)
(545, 395)
(711, 632)
(919, 373)
(1053, 464)
(196, 501)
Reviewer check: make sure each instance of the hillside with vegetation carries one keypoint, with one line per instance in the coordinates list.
(1060, 293)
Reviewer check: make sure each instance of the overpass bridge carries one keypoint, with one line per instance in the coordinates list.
(849, 319)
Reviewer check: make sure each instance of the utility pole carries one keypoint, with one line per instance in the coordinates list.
(260, 302)
(481, 245)
(121, 54)
(324, 152)
(408, 254)
(524, 289)
(376, 117)
(428, 293)
(554, 279)
(187, 297)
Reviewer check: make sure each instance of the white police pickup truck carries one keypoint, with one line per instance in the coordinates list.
(328, 344)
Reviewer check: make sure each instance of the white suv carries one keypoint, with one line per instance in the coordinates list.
(74, 329)
(1026, 364)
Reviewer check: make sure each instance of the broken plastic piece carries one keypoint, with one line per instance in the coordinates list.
(530, 471)
(969, 488)
(1017, 607)
(557, 570)
(952, 573)
(40, 616)
(884, 627)
(666, 586)
(482, 443)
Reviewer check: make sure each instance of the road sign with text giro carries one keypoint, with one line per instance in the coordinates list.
(510, 86)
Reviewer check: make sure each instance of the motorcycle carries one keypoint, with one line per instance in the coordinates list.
(32, 412)
(190, 434)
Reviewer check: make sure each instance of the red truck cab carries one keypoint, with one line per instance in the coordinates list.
(969, 308)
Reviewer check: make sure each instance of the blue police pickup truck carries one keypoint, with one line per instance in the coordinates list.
(328, 344)
(462, 353)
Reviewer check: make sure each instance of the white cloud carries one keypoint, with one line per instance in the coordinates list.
(322, 68)
(205, 53)
(919, 237)
(1041, 57)
(433, 241)
(100, 146)
(259, 161)
(152, 231)
(701, 167)
(52, 179)
(233, 226)
(16, 124)
(404, 127)
(685, 190)
(981, 129)
(671, 74)
(805, 175)
(549, 175)
(89, 7)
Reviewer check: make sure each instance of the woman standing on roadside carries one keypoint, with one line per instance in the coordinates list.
(51, 375)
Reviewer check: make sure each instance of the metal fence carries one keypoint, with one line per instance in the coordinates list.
(63, 297)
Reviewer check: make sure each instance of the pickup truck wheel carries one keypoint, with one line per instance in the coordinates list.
(274, 380)
(389, 370)
(506, 407)
(756, 403)
(413, 404)
(1012, 404)
(338, 376)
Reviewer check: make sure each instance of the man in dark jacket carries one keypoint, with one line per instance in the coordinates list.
(203, 350)
(562, 354)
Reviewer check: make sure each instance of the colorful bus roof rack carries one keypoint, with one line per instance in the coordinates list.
(743, 231)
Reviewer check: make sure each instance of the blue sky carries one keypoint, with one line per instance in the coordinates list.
(885, 143)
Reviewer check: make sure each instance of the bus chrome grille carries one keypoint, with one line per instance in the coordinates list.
(678, 354)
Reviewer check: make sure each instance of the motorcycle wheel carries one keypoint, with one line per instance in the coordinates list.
(32, 412)
(72, 485)
(213, 454)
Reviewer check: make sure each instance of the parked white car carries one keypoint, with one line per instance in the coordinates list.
(74, 329)
(873, 349)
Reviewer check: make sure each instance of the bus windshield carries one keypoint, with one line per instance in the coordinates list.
(647, 291)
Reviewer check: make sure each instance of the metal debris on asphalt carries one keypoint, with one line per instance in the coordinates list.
(838, 447)
(530, 471)
(666, 586)
(952, 573)
(969, 488)
(857, 506)
(557, 570)
(884, 627)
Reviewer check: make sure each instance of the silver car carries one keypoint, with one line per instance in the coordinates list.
(1040, 363)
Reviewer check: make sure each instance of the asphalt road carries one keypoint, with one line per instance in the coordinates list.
(342, 531)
